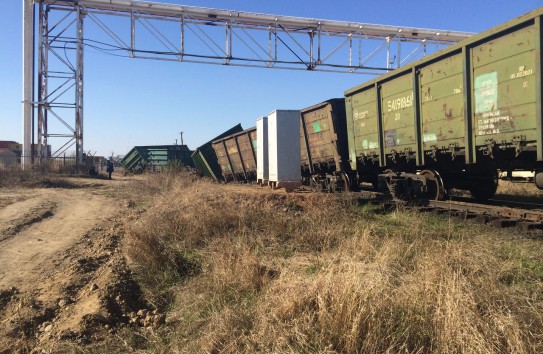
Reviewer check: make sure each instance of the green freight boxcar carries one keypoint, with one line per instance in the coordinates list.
(323, 143)
(236, 155)
(205, 159)
(452, 119)
(156, 157)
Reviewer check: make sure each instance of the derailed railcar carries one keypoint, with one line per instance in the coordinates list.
(324, 150)
(156, 157)
(453, 119)
(236, 155)
(205, 159)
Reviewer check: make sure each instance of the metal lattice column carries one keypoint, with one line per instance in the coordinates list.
(60, 86)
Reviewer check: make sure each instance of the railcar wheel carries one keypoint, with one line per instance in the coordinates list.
(539, 179)
(348, 184)
(434, 183)
(486, 187)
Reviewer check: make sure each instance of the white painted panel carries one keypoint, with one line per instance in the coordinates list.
(262, 149)
(284, 145)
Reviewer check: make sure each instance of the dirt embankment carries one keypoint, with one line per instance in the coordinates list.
(62, 274)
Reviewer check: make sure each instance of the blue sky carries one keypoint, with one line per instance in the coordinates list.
(132, 102)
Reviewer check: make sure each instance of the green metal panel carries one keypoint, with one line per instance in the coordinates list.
(201, 164)
(483, 91)
(442, 104)
(155, 157)
(504, 94)
(362, 125)
(204, 156)
(399, 128)
(323, 131)
(236, 155)
(539, 80)
(474, 40)
(246, 146)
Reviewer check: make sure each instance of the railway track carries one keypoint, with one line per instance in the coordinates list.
(493, 214)
(527, 216)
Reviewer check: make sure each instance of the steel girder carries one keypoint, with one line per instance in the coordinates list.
(181, 33)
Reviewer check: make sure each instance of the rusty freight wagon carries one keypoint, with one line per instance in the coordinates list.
(204, 157)
(324, 150)
(453, 119)
(236, 155)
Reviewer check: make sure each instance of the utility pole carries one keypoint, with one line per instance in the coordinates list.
(181, 137)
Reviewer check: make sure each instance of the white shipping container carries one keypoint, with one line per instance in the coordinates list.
(284, 146)
(262, 175)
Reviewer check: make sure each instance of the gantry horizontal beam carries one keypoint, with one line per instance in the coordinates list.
(201, 35)
(257, 19)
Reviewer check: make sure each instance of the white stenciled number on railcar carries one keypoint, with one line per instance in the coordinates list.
(400, 103)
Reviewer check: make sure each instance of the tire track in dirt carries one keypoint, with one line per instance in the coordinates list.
(75, 212)
(64, 278)
(35, 215)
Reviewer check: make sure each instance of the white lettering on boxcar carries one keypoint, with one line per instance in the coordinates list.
(522, 71)
(428, 137)
(400, 103)
(360, 115)
(491, 122)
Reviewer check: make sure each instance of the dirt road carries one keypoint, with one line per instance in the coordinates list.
(62, 273)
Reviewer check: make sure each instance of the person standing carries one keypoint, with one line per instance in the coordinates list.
(109, 168)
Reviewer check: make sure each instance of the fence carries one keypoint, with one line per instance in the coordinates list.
(63, 164)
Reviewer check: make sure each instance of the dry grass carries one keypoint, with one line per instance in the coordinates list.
(243, 269)
(520, 191)
(47, 175)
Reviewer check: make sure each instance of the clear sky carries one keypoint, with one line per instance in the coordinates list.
(132, 102)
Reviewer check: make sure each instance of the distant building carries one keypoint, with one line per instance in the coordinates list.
(8, 157)
(12, 145)
(18, 148)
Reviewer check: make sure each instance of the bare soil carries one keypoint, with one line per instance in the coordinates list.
(62, 273)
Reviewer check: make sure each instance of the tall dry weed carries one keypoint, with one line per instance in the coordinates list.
(318, 273)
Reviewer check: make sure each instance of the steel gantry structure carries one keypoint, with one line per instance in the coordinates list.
(187, 34)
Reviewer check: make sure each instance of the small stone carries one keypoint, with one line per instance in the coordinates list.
(93, 287)
(48, 328)
(64, 301)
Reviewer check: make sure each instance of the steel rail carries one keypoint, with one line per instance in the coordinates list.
(492, 211)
